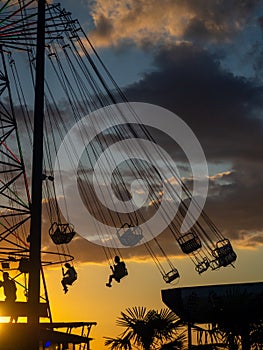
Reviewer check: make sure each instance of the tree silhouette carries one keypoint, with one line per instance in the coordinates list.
(237, 321)
(148, 330)
(119, 343)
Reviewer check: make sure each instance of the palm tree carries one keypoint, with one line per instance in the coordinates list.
(234, 318)
(174, 344)
(256, 336)
(119, 343)
(237, 322)
(148, 330)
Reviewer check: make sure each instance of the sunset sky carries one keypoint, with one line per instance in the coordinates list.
(202, 60)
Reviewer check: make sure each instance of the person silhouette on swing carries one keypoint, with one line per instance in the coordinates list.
(119, 270)
(69, 276)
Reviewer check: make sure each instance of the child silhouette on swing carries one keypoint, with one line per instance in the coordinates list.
(119, 271)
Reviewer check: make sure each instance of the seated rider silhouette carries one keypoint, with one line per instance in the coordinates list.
(69, 276)
(119, 270)
(9, 286)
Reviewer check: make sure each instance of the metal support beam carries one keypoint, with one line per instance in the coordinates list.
(189, 333)
(37, 165)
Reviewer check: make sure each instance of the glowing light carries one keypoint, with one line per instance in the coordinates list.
(4, 319)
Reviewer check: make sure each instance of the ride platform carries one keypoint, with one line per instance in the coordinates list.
(214, 303)
(50, 335)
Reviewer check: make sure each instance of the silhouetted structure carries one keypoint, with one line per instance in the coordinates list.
(30, 20)
(50, 335)
(205, 304)
(233, 306)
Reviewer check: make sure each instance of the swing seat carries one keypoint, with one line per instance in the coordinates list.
(171, 276)
(189, 242)
(69, 280)
(227, 259)
(61, 233)
(131, 236)
(202, 266)
(5, 265)
(24, 265)
(224, 253)
(120, 272)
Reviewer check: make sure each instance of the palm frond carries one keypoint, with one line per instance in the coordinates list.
(119, 343)
(148, 328)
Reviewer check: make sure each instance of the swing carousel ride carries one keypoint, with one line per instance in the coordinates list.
(75, 84)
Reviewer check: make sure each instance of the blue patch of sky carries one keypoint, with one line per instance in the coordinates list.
(239, 55)
(127, 66)
(21, 62)
(79, 10)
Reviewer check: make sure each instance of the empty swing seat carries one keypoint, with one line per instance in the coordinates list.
(189, 242)
(224, 253)
(171, 276)
(129, 235)
(24, 265)
(202, 266)
(61, 233)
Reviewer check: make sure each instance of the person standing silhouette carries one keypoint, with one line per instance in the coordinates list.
(9, 286)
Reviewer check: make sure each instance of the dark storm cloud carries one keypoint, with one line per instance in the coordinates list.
(225, 112)
(217, 105)
(236, 202)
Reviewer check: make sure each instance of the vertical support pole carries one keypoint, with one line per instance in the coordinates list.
(189, 331)
(45, 290)
(245, 339)
(37, 165)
